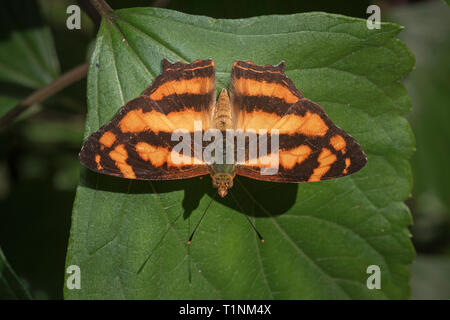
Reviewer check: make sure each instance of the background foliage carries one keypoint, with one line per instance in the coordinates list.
(427, 35)
(320, 237)
(39, 161)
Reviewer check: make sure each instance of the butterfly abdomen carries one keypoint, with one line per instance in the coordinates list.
(222, 174)
(222, 113)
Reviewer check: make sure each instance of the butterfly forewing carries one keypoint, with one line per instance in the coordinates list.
(137, 143)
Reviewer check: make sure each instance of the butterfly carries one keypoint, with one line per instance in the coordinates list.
(138, 142)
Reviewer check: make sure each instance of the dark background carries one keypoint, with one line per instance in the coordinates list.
(38, 155)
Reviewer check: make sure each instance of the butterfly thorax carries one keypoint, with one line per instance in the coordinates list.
(222, 174)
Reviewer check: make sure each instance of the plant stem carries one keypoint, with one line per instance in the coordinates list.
(41, 94)
(90, 10)
(160, 3)
(103, 8)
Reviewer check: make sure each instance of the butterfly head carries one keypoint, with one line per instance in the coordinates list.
(223, 182)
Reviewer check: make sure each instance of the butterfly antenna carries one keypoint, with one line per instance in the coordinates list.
(203, 215)
(248, 219)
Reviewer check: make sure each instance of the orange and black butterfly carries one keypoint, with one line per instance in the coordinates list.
(137, 143)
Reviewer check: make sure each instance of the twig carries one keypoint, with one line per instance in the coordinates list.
(90, 10)
(60, 83)
(160, 3)
(41, 94)
(103, 8)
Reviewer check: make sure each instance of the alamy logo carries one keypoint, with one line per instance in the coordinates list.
(229, 147)
(373, 21)
(74, 20)
(74, 278)
(374, 280)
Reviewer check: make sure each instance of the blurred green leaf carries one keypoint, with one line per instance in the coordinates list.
(431, 222)
(34, 232)
(320, 237)
(10, 285)
(7, 103)
(430, 277)
(55, 13)
(28, 57)
(428, 36)
(53, 132)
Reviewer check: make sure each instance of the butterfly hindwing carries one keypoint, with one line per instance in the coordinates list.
(137, 144)
(311, 146)
(260, 94)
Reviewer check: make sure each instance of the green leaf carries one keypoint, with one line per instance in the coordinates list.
(10, 285)
(7, 103)
(430, 277)
(28, 58)
(320, 237)
(27, 52)
(428, 36)
(67, 133)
